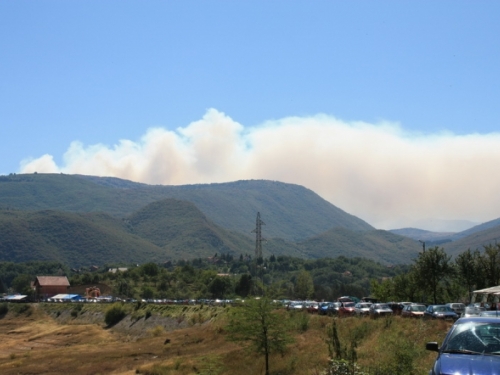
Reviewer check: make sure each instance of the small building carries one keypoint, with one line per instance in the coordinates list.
(49, 286)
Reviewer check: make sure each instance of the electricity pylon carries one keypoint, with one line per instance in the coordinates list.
(258, 237)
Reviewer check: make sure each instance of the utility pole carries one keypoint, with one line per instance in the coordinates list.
(423, 245)
(258, 237)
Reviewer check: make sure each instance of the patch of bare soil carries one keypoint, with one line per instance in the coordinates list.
(43, 345)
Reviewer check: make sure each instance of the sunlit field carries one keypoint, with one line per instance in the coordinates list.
(51, 339)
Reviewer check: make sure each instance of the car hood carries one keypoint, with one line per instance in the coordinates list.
(464, 364)
(444, 313)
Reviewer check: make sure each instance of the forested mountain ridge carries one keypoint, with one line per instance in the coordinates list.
(295, 212)
(71, 238)
(169, 230)
(106, 213)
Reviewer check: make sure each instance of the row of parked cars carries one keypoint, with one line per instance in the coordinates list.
(344, 308)
(449, 311)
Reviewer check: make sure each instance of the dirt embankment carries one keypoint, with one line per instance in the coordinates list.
(139, 321)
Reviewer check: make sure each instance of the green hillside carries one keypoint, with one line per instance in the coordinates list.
(378, 245)
(291, 211)
(72, 239)
(181, 229)
(475, 240)
(82, 220)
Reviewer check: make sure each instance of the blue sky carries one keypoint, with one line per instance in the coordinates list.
(92, 86)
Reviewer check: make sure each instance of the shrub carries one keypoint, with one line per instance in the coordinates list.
(76, 310)
(22, 308)
(343, 367)
(300, 319)
(114, 314)
(4, 308)
(156, 331)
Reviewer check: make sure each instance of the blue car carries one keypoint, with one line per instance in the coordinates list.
(471, 347)
(440, 312)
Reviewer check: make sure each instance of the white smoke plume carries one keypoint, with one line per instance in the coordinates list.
(379, 172)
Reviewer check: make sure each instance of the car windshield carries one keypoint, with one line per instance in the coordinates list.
(382, 307)
(475, 337)
(417, 308)
(348, 304)
(442, 309)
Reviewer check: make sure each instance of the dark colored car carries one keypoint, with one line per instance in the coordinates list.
(312, 307)
(379, 309)
(472, 346)
(459, 308)
(329, 308)
(397, 307)
(440, 312)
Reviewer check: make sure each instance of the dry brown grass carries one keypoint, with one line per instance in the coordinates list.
(39, 345)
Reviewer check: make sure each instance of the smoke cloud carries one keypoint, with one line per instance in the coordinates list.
(379, 172)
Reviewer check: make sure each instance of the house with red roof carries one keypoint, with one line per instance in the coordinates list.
(48, 286)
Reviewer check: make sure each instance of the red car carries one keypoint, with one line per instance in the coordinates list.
(347, 309)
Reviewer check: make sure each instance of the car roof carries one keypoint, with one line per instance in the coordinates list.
(478, 319)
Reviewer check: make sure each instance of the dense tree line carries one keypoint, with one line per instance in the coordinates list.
(434, 277)
(220, 276)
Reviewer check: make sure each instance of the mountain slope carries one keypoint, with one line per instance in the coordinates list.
(378, 245)
(291, 212)
(181, 229)
(455, 243)
(476, 240)
(73, 239)
(429, 238)
(476, 229)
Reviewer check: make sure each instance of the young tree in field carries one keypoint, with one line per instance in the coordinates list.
(432, 268)
(258, 322)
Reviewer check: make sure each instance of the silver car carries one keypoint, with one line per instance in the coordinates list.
(380, 309)
(362, 308)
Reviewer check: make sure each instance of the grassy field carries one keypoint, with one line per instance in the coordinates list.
(59, 339)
